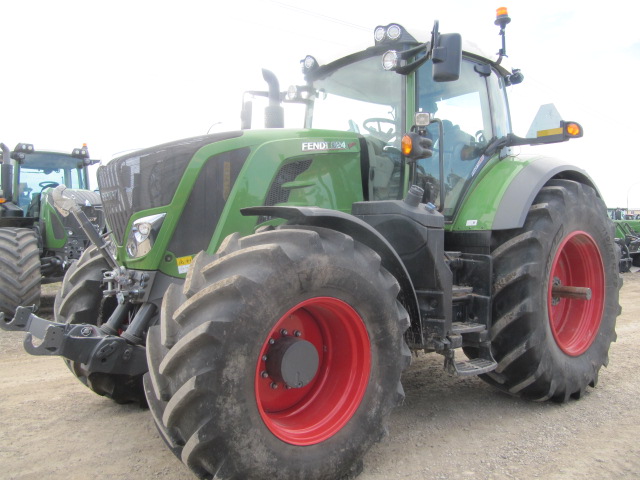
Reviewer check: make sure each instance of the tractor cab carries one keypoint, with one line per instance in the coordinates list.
(433, 114)
(36, 171)
(42, 170)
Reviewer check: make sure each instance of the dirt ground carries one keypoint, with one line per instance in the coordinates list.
(52, 427)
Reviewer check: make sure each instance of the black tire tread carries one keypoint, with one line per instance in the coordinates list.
(80, 300)
(192, 330)
(20, 276)
(525, 365)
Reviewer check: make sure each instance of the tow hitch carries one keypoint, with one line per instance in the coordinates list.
(86, 344)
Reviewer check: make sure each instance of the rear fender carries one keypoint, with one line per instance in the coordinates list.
(502, 197)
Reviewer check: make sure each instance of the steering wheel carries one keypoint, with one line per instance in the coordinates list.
(48, 184)
(374, 127)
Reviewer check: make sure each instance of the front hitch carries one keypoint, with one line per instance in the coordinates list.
(81, 343)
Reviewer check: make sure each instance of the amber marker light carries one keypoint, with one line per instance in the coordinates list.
(3, 200)
(502, 18)
(573, 129)
(407, 145)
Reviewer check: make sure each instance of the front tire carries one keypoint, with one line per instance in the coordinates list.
(20, 276)
(80, 300)
(280, 357)
(549, 346)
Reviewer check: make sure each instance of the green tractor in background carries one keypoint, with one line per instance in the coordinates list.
(627, 237)
(262, 290)
(36, 243)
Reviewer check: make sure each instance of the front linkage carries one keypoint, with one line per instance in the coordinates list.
(99, 349)
(85, 344)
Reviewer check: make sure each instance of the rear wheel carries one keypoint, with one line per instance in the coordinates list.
(555, 296)
(80, 300)
(280, 358)
(20, 276)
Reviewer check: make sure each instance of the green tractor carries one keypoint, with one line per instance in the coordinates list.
(263, 290)
(36, 243)
(627, 237)
(628, 240)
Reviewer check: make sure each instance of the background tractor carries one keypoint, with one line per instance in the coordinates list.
(627, 237)
(263, 290)
(36, 243)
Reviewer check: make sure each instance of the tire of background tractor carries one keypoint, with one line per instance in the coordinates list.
(636, 260)
(306, 308)
(80, 300)
(20, 275)
(549, 346)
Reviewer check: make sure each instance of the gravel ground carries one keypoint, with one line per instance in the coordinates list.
(449, 428)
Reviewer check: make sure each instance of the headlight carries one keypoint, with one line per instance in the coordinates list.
(390, 60)
(143, 234)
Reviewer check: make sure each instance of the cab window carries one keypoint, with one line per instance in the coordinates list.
(463, 107)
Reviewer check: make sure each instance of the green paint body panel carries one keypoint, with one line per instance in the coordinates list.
(48, 215)
(479, 205)
(333, 180)
(634, 224)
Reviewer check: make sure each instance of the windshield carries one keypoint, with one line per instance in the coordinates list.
(41, 170)
(362, 97)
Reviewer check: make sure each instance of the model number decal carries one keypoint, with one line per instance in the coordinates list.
(325, 146)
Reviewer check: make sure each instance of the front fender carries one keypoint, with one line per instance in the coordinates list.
(358, 230)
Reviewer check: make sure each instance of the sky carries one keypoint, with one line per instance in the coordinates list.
(122, 75)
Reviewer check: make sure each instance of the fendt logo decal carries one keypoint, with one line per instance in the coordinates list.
(326, 146)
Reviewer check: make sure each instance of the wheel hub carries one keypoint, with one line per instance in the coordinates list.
(576, 293)
(312, 371)
(293, 361)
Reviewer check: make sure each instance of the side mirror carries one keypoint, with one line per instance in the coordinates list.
(447, 57)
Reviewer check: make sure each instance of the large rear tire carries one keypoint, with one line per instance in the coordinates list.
(549, 346)
(20, 276)
(279, 358)
(80, 300)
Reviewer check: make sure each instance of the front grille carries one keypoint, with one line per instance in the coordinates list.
(146, 179)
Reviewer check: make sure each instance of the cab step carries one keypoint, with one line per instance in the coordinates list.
(459, 328)
(475, 366)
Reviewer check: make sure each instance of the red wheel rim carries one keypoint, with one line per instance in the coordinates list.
(575, 322)
(317, 411)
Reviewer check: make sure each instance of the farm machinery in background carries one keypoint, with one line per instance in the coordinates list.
(37, 244)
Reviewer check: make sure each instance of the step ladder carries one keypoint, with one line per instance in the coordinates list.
(476, 366)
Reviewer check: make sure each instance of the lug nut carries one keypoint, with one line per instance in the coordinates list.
(271, 341)
(264, 374)
(284, 332)
(274, 385)
(264, 358)
(297, 333)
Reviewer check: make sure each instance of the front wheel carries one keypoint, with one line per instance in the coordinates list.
(555, 296)
(280, 357)
(80, 300)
